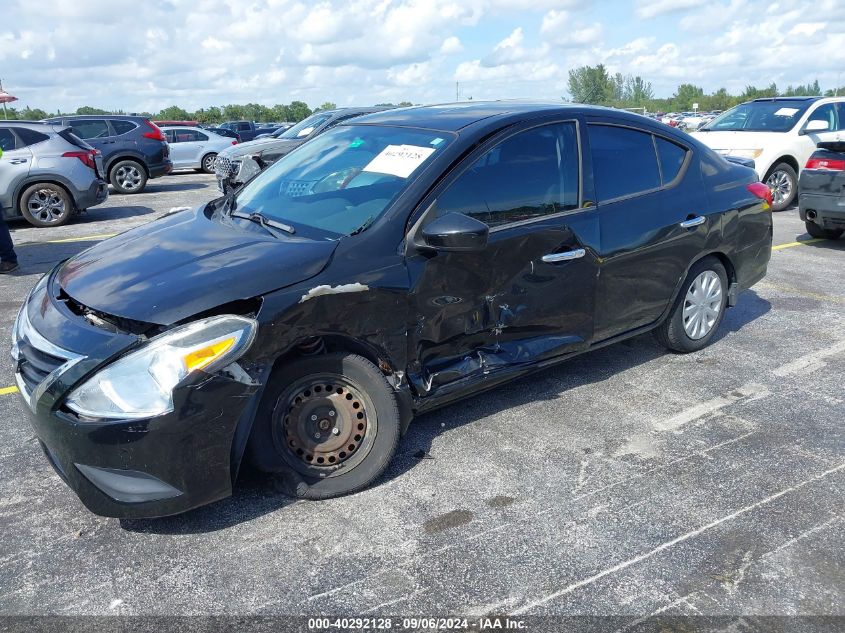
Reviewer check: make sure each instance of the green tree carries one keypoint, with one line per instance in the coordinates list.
(89, 110)
(686, 95)
(591, 84)
(33, 114)
(637, 91)
(298, 110)
(328, 105)
(173, 113)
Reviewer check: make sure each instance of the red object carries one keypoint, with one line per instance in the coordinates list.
(156, 134)
(235, 142)
(825, 164)
(186, 123)
(673, 123)
(86, 156)
(5, 97)
(761, 191)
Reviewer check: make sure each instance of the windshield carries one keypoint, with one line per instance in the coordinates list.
(343, 180)
(760, 116)
(305, 127)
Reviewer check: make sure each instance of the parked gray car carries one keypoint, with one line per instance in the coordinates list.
(195, 148)
(47, 174)
(238, 164)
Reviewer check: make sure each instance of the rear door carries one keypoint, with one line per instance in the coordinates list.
(15, 164)
(528, 295)
(97, 133)
(124, 136)
(654, 221)
(186, 147)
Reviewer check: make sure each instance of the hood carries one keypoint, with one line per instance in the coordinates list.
(274, 145)
(184, 264)
(739, 140)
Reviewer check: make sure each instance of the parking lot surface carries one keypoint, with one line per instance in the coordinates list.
(626, 481)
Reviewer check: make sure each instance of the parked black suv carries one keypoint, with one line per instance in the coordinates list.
(134, 148)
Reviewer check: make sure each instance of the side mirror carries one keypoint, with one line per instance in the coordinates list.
(815, 126)
(456, 232)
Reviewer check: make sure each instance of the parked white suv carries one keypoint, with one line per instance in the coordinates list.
(778, 134)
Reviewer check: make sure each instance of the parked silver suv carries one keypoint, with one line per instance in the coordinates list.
(47, 174)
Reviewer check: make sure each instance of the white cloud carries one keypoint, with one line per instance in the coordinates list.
(451, 45)
(653, 8)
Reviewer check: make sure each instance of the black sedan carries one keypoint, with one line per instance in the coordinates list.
(396, 263)
(821, 191)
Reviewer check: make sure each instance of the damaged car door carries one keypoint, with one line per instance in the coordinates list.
(514, 281)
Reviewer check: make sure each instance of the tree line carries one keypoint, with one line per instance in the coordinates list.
(595, 85)
(292, 112)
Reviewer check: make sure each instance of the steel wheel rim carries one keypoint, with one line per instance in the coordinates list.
(323, 424)
(702, 305)
(781, 185)
(208, 163)
(46, 205)
(128, 177)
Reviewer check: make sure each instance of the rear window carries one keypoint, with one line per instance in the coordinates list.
(73, 139)
(90, 129)
(30, 137)
(123, 127)
(624, 162)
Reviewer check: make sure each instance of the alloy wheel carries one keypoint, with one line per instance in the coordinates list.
(702, 305)
(208, 163)
(128, 177)
(781, 185)
(47, 206)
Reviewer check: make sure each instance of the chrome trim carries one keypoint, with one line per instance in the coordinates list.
(551, 258)
(696, 221)
(25, 331)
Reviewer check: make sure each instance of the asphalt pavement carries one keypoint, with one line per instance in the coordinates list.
(628, 481)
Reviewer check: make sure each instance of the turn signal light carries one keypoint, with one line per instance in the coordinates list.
(825, 164)
(761, 191)
(155, 133)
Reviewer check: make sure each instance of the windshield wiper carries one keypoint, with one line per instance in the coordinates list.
(265, 222)
(364, 226)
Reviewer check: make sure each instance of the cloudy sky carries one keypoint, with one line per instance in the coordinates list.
(146, 55)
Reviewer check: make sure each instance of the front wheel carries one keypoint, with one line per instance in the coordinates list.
(824, 234)
(699, 309)
(783, 181)
(328, 424)
(208, 162)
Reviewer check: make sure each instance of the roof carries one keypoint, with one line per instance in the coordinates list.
(452, 117)
(788, 98)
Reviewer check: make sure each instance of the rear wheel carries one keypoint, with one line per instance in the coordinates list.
(783, 181)
(699, 309)
(825, 234)
(208, 162)
(46, 204)
(128, 176)
(328, 424)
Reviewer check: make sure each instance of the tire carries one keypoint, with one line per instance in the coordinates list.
(783, 181)
(45, 204)
(293, 429)
(680, 337)
(208, 162)
(818, 232)
(128, 176)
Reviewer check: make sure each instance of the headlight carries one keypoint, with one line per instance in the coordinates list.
(746, 153)
(140, 385)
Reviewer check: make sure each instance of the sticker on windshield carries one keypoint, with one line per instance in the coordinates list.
(786, 112)
(305, 131)
(399, 160)
(436, 141)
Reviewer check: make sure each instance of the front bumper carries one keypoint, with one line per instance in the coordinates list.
(829, 210)
(129, 468)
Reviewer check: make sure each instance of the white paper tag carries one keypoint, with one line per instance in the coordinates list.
(399, 160)
(786, 112)
(305, 131)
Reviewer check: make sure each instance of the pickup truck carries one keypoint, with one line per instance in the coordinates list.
(246, 130)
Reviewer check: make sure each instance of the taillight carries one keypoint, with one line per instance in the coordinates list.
(825, 164)
(87, 157)
(761, 191)
(235, 142)
(155, 133)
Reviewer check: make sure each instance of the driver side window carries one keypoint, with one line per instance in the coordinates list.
(528, 175)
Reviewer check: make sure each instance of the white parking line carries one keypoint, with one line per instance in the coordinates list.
(810, 362)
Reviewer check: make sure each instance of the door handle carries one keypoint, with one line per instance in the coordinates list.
(694, 221)
(552, 258)
(17, 161)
